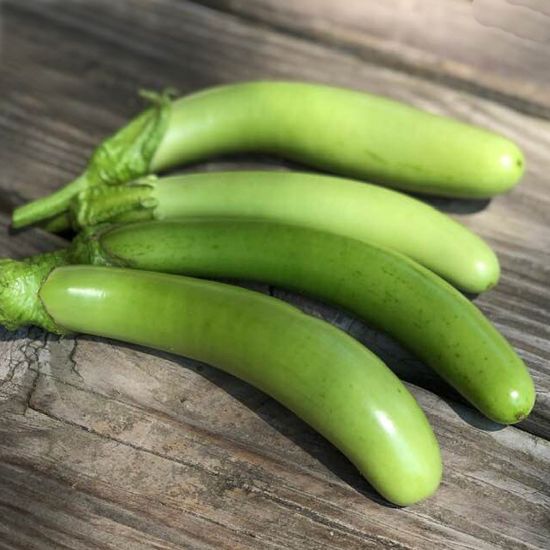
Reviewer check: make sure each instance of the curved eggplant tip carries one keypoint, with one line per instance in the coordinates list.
(417, 475)
(420, 486)
(510, 167)
(523, 403)
(517, 404)
(488, 272)
(483, 275)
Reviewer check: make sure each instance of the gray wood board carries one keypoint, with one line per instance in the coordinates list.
(490, 47)
(103, 445)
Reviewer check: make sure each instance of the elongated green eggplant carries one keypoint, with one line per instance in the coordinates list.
(342, 131)
(345, 207)
(388, 290)
(319, 372)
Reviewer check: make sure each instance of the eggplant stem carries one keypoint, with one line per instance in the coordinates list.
(48, 207)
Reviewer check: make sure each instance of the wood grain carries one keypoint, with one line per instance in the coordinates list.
(489, 47)
(110, 446)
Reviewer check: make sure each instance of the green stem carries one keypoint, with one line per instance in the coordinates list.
(48, 206)
(60, 223)
(121, 158)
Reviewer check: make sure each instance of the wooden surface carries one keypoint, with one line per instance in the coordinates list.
(104, 445)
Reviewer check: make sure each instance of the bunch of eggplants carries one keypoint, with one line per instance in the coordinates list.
(140, 269)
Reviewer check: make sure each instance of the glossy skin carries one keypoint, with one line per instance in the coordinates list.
(345, 207)
(388, 290)
(319, 372)
(345, 132)
(338, 130)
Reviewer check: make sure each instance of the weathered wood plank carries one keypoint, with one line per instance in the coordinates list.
(199, 443)
(110, 446)
(488, 47)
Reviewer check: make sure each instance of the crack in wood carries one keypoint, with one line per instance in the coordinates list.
(21, 354)
(30, 394)
(71, 358)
